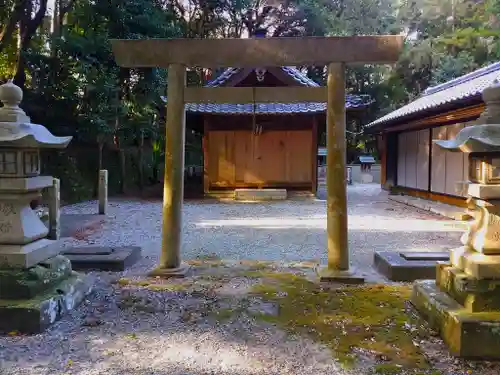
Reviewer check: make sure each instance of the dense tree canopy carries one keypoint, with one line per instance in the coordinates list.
(62, 58)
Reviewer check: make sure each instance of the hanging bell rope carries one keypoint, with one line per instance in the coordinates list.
(254, 115)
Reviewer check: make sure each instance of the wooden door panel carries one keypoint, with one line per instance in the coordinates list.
(239, 157)
(271, 156)
(243, 154)
(299, 163)
(222, 169)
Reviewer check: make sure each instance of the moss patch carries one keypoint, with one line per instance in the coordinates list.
(210, 260)
(151, 284)
(388, 369)
(371, 317)
(255, 265)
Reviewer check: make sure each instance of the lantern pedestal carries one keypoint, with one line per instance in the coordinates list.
(463, 303)
(37, 286)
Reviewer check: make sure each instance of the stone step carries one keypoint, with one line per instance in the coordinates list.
(473, 294)
(460, 329)
(443, 209)
(220, 194)
(260, 194)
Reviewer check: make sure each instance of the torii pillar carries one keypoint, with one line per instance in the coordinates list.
(336, 52)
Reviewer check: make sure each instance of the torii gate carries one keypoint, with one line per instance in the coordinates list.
(177, 54)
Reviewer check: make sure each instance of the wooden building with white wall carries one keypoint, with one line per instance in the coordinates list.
(411, 163)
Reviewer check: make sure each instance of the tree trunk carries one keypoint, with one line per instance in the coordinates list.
(141, 161)
(28, 27)
(123, 171)
(101, 146)
(122, 165)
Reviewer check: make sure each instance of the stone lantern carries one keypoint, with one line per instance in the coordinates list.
(36, 284)
(463, 303)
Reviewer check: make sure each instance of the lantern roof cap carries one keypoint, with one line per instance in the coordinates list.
(16, 129)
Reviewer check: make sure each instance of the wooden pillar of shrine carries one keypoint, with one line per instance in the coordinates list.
(173, 189)
(337, 231)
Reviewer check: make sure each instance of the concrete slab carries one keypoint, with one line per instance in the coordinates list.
(446, 210)
(407, 266)
(103, 258)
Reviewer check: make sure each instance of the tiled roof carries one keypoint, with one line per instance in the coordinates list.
(296, 74)
(352, 101)
(466, 87)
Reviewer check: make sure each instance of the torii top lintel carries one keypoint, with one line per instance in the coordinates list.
(283, 51)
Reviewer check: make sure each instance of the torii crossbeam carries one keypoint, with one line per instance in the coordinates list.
(335, 52)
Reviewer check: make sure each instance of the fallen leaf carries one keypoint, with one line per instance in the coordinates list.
(13, 333)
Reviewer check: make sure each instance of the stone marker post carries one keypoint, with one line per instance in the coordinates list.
(103, 192)
(37, 286)
(55, 210)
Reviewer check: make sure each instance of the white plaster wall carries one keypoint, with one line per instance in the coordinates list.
(401, 177)
(448, 168)
(438, 172)
(423, 159)
(411, 160)
(454, 162)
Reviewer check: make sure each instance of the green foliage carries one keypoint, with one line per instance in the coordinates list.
(72, 71)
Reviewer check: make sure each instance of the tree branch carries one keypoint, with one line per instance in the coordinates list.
(15, 17)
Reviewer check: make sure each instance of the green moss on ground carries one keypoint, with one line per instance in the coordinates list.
(255, 265)
(159, 285)
(370, 317)
(209, 260)
(388, 369)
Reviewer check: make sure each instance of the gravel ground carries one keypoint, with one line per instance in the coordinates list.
(283, 232)
(122, 329)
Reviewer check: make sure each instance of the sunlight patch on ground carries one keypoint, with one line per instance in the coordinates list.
(356, 222)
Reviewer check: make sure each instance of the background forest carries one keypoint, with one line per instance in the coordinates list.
(59, 53)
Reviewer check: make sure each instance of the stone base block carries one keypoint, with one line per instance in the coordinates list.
(461, 330)
(260, 194)
(344, 277)
(408, 266)
(36, 314)
(473, 294)
(27, 283)
(179, 272)
(27, 256)
(103, 258)
(477, 265)
(482, 191)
